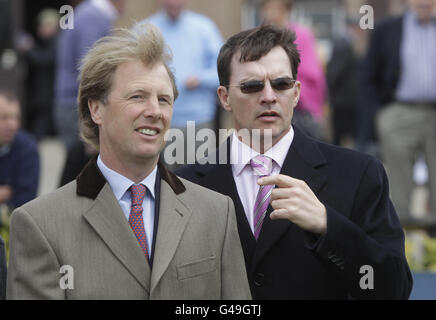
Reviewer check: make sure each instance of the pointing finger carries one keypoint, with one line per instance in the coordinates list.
(280, 180)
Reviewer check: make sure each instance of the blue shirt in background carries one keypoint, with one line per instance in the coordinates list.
(417, 81)
(195, 42)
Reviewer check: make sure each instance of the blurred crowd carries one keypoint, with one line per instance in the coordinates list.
(379, 98)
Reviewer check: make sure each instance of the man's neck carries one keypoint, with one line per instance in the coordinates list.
(174, 18)
(135, 171)
(421, 20)
(260, 143)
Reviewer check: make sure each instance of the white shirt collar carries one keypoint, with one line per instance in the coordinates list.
(241, 154)
(107, 8)
(120, 184)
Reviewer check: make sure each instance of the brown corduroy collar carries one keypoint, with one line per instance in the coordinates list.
(90, 181)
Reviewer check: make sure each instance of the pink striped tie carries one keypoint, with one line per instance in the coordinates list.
(262, 166)
(136, 220)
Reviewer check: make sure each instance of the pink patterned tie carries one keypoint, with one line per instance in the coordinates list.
(136, 220)
(262, 166)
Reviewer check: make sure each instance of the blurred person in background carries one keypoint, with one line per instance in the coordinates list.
(342, 81)
(19, 158)
(40, 80)
(399, 81)
(93, 19)
(308, 114)
(195, 42)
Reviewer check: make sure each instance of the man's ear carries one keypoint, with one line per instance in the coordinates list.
(224, 98)
(95, 109)
(297, 88)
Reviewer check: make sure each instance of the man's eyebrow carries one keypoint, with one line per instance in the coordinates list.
(136, 90)
(258, 78)
(167, 96)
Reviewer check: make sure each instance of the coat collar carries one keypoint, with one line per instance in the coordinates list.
(91, 181)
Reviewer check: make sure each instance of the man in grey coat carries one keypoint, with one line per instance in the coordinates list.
(127, 228)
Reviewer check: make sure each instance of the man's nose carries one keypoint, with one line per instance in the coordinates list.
(152, 108)
(268, 95)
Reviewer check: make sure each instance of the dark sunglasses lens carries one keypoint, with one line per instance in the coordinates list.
(252, 86)
(282, 83)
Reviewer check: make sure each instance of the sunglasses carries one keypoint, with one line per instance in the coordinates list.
(253, 86)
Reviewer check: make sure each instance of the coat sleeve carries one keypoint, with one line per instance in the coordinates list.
(234, 281)
(34, 271)
(366, 250)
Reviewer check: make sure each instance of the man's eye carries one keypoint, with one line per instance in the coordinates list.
(137, 97)
(165, 100)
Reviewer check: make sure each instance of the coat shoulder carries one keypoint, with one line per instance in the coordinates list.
(206, 201)
(200, 193)
(351, 167)
(54, 204)
(192, 172)
(340, 155)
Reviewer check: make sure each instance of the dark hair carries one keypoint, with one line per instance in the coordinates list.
(255, 43)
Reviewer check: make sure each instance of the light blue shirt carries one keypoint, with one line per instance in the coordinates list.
(195, 42)
(417, 81)
(120, 187)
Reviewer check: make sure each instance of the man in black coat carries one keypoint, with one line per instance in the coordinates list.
(315, 220)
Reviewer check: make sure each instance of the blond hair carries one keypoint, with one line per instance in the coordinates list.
(144, 42)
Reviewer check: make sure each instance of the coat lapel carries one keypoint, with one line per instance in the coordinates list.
(107, 219)
(109, 222)
(302, 161)
(173, 218)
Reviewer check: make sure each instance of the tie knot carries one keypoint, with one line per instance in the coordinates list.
(262, 165)
(138, 193)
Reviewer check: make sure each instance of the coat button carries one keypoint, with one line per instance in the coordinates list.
(258, 279)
